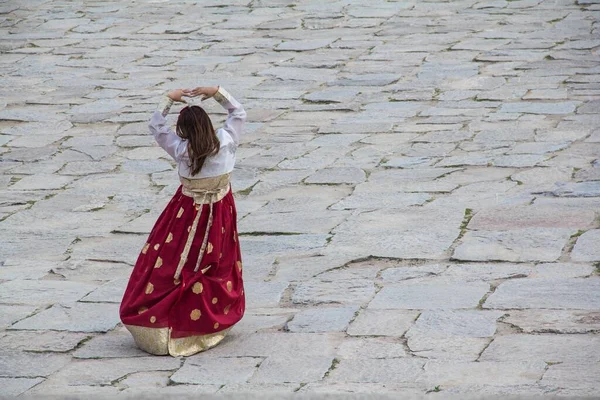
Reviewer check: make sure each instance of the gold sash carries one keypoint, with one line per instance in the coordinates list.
(203, 191)
(206, 190)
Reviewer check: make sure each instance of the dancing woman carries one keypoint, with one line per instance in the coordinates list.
(186, 289)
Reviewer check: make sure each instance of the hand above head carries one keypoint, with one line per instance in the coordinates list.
(176, 94)
(204, 91)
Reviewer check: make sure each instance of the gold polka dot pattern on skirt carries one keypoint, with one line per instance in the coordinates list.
(169, 238)
(149, 288)
(195, 315)
(152, 319)
(209, 248)
(239, 265)
(176, 281)
(156, 246)
(142, 310)
(216, 326)
(229, 286)
(197, 288)
(226, 309)
(222, 230)
(180, 212)
(146, 247)
(215, 300)
(158, 263)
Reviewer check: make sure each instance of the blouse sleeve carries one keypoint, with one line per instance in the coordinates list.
(237, 114)
(165, 137)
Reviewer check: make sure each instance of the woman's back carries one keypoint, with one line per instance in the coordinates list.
(228, 136)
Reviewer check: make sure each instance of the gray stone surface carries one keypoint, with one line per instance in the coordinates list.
(393, 323)
(23, 364)
(447, 374)
(39, 292)
(506, 218)
(276, 343)
(103, 372)
(344, 291)
(582, 294)
(456, 323)
(16, 386)
(80, 317)
(546, 348)
(322, 320)
(351, 175)
(216, 370)
(371, 347)
(430, 296)
(587, 247)
(428, 166)
(519, 245)
(579, 375)
(399, 370)
(539, 108)
(116, 344)
(296, 370)
(10, 314)
(554, 321)
(44, 341)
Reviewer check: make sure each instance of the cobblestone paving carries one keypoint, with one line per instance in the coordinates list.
(419, 190)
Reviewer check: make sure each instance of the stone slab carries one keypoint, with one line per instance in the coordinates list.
(392, 323)
(9, 314)
(398, 370)
(573, 375)
(422, 296)
(505, 218)
(217, 371)
(577, 294)
(264, 344)
(104, 372)
(281, 368)
(587, 247)
(23, 364)
(44, 341)
(77, 317)
(16, 386)
(544, 348)
(343, 292)
(116, 344)
(446, 374)
(519, 245)
(372, 347)
(472, 323)
(41, 292)
(322, 320)
(554, 321)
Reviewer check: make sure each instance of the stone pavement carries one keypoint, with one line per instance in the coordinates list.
(419, 190)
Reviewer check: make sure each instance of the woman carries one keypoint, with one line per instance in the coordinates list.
(186, 289)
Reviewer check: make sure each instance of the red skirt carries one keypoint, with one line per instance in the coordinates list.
(184, 315)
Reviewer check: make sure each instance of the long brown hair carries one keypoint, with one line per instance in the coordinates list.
(195, 126)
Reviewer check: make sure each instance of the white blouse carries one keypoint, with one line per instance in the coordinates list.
(229, 138)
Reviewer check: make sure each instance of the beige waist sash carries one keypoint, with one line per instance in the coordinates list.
(203, 191)
(206, 190)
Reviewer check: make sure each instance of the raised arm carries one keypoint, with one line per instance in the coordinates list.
(165, 137)
(236, 114)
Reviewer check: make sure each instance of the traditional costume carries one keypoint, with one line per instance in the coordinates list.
(186, 289)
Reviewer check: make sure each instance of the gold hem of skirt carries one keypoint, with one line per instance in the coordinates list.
(158, 341)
